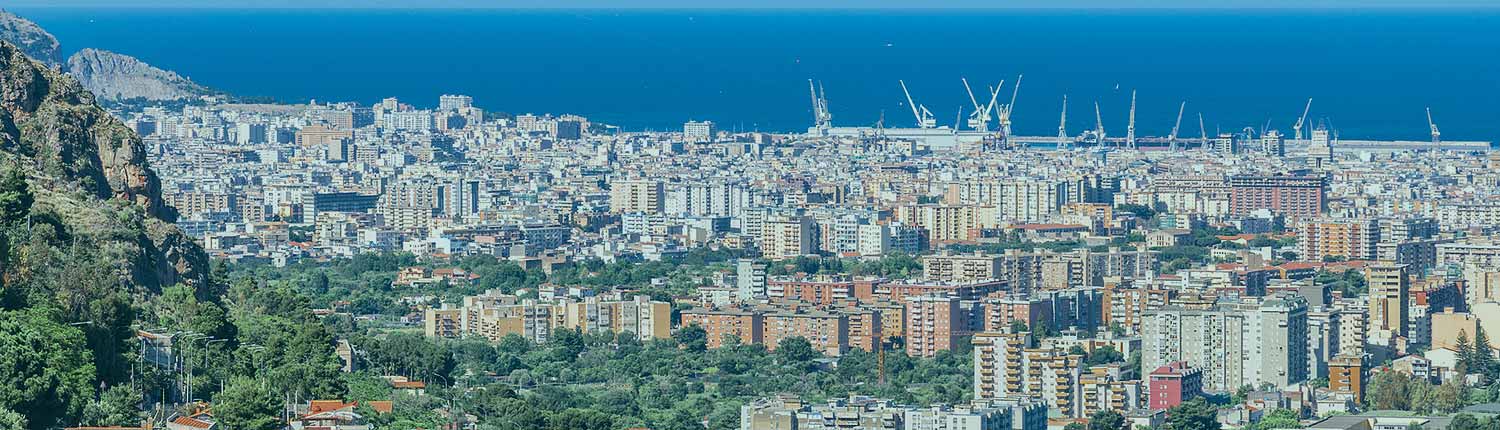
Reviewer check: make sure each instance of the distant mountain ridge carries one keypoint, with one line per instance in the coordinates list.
(113, 76)
(110, 76)
(32, 39)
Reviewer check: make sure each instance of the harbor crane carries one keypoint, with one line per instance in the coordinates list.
(1130, 128)
(1062, 126)
(1436, 136)
(822, 120)
(1008, 109)
(1202, 131)
(1297, 128)
(980, 119)
(976, 119)
(1098, 126)
(1178, 126)
(924, 116)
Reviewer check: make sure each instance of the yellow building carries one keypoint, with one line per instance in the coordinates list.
(948, 223)
(636, 196)
(1389, 297)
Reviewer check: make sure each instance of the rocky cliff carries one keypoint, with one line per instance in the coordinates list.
(31, 38)
(113, 76)
(90, 172)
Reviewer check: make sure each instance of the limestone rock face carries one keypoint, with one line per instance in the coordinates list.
(92, 170)
(113, 76)
(31, 38)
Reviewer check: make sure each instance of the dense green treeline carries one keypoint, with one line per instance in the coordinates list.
(618, 381)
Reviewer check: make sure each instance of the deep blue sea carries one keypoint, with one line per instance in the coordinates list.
(1371, 73)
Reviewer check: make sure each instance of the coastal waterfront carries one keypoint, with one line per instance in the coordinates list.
(1372, 72)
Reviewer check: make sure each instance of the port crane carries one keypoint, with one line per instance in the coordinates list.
(822, 120)
(1062, 126)
(1098, 126)
(1202, 131)
(924, 116)
(1006, 111)
(1178, 126)
(980, 119)
(1297, 128)
(1436, 136)
(1130, 128)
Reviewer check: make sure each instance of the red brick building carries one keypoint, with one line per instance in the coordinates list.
(1293, 196)
(1172, 384)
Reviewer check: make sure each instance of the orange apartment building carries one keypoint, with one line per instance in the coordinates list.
(747, 325)
(827, 331)
(933, 323)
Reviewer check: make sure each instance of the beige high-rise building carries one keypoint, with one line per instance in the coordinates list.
(1483, 284)
(1006, 365)
(493, 316)
(961, 267)
(948, 223)
(998, 364)
(319, 135)
(1448, 325)
(1352, 239)
(639, 315)
(1389, 298)
(787, 237)
(636, 196)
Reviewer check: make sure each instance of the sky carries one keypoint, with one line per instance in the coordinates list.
(762, 4)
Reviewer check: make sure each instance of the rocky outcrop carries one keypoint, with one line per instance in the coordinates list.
(91, 170)
(31, 38)
(52, 119)
(113, 76)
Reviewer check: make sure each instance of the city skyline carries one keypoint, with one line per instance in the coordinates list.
(395, 219)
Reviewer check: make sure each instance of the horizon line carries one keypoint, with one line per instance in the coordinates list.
(1314, 7)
